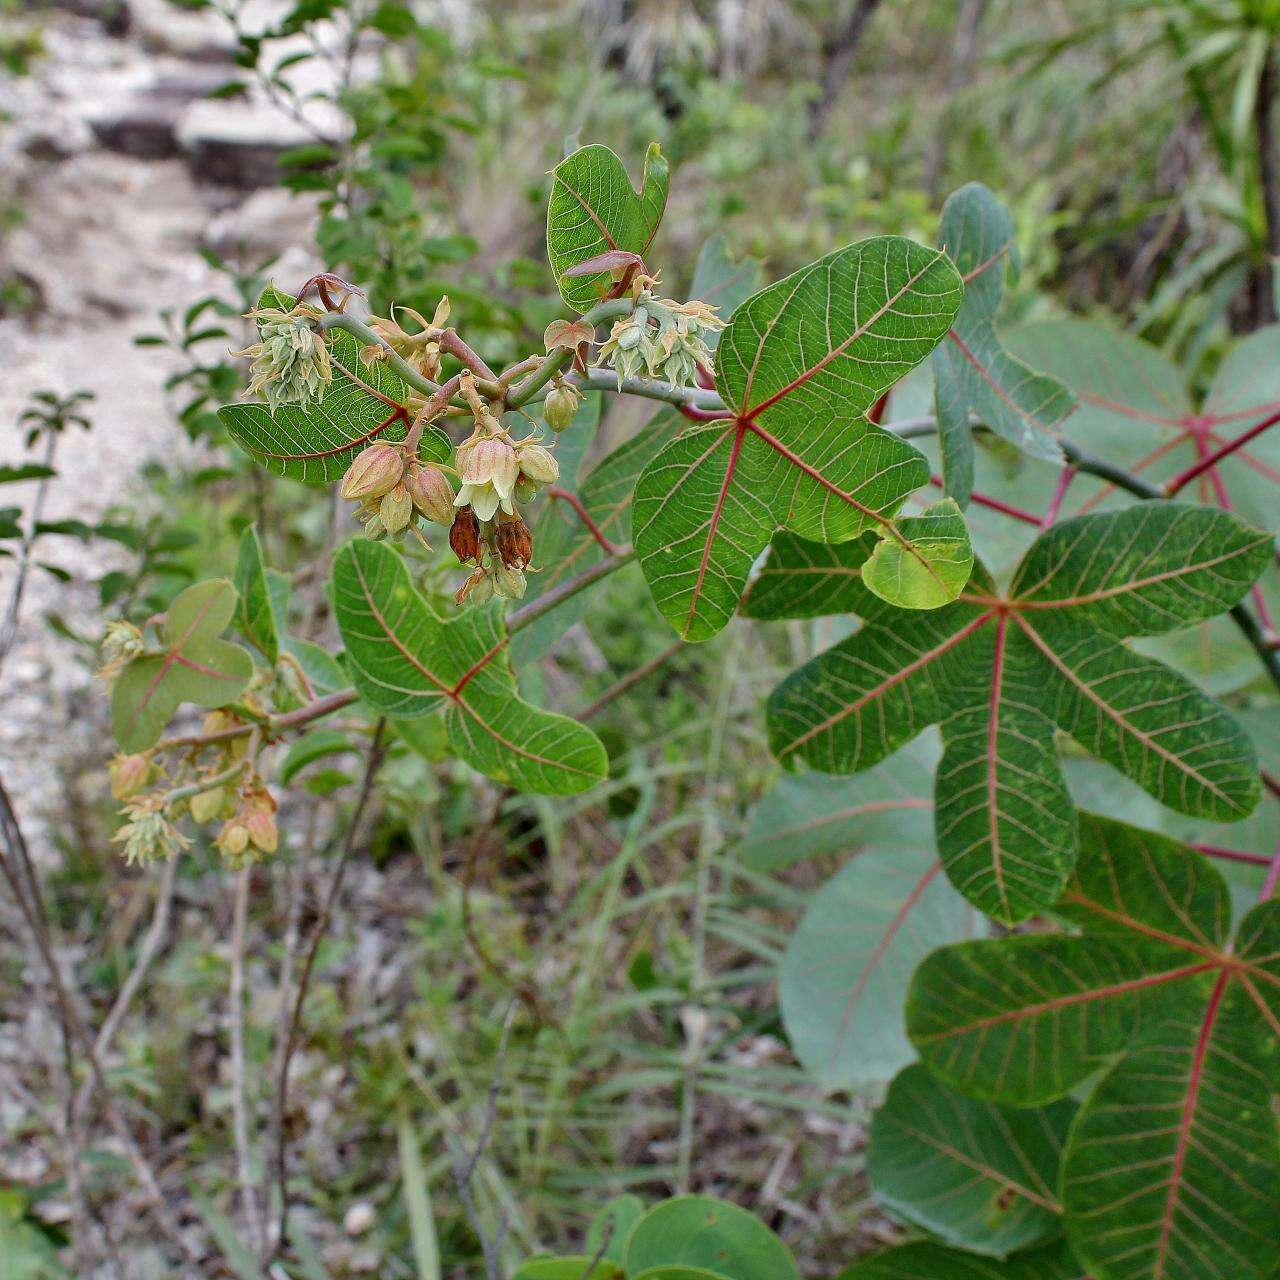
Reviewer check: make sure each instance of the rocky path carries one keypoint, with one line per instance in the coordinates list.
(123, 170)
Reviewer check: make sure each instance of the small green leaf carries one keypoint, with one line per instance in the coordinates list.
(975, 1175)
(194, 666)
(25, 471)
(319, 744)
(593, 209)
(255, 616)
(925, 562)
(407, 662)
(701, 1232)
(611, 1227)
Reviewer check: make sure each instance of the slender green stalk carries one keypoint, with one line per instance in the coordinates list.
(559, 359)
(358, 329)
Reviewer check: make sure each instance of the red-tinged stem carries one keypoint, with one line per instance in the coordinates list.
(572, 499)
(1065, 477)
(1232, 855)
(1183, 478)
(1273, 878)
(996, 505)
(876, 412)
(692, 412)
(452, 342)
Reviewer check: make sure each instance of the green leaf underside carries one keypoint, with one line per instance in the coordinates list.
(1172, 1167)
(977, 373)
(195, 666)
(406, 662)
(594, 208)
(316, 445)
(936, 1262)
(799, 365)
(255, 615)
(701, 1232)
(975, 1175)
(999, 675)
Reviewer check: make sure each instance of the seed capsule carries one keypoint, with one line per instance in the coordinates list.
(478, 588)
(538, 464)
(375, 471)
(515, 543)
(508, 583)
(430, 491)
(464, 536)
(396, 509)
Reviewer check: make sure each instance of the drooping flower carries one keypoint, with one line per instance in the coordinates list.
(290, 360)
(662, 338)
(148, 834)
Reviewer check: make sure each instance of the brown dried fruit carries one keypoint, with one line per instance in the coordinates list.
(515, 543)
(464, 536)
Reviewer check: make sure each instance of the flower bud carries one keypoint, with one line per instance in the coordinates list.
(430, 491)
(396, 509)
(560, 406)
(538, 464)
(478, 589)
(128, 775)
(464, 536)
(261, 828)
(233, 839)
(204, 807)
(375, 471)
(525, 490)
(515, 543)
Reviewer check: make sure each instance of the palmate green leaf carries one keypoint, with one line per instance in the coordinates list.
(193, 666)
(1172, 1167)
(936, 1262)
(975, 1175)
(366, 401)
(1000, 673)
(799, 365)
(255, 611)
(594, 209)
(701, 1232)
(406, 662)
(974, 371)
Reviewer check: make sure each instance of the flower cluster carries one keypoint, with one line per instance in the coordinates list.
(498, 474)
(662, 338)
(251, 827)
(290, 360)
(420, 350)
(391, 488)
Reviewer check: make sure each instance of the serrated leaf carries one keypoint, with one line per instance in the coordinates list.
(193, 666)
(699, 1231)
(593, 209)
(931, 563)
(255, 613)
(799, 366)
(1025, 407)
(406, 662)
(999, 673)
(366, 401)
(975, 1175)
(924, 1261)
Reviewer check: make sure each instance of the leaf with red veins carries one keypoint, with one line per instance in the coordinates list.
(800, 364)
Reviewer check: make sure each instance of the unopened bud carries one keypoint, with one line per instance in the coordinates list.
(464, 536)
(538, 464)
(430, 491)
(233, 839)
(261, 828)
(478, 589)
(525, 490)
(128, 775)
(508, 582)
(374, 471)
(560, 406)
(204, 807)
(396, 509)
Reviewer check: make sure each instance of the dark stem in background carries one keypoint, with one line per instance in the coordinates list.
(838, 48)
(1264, 283)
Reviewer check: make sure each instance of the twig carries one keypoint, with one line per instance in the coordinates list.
(559, 359)
(629, 681)
(239, 1105)
(1273, 878)
(572, 500)
(377, 750)
(9, 628)
(535, 609)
